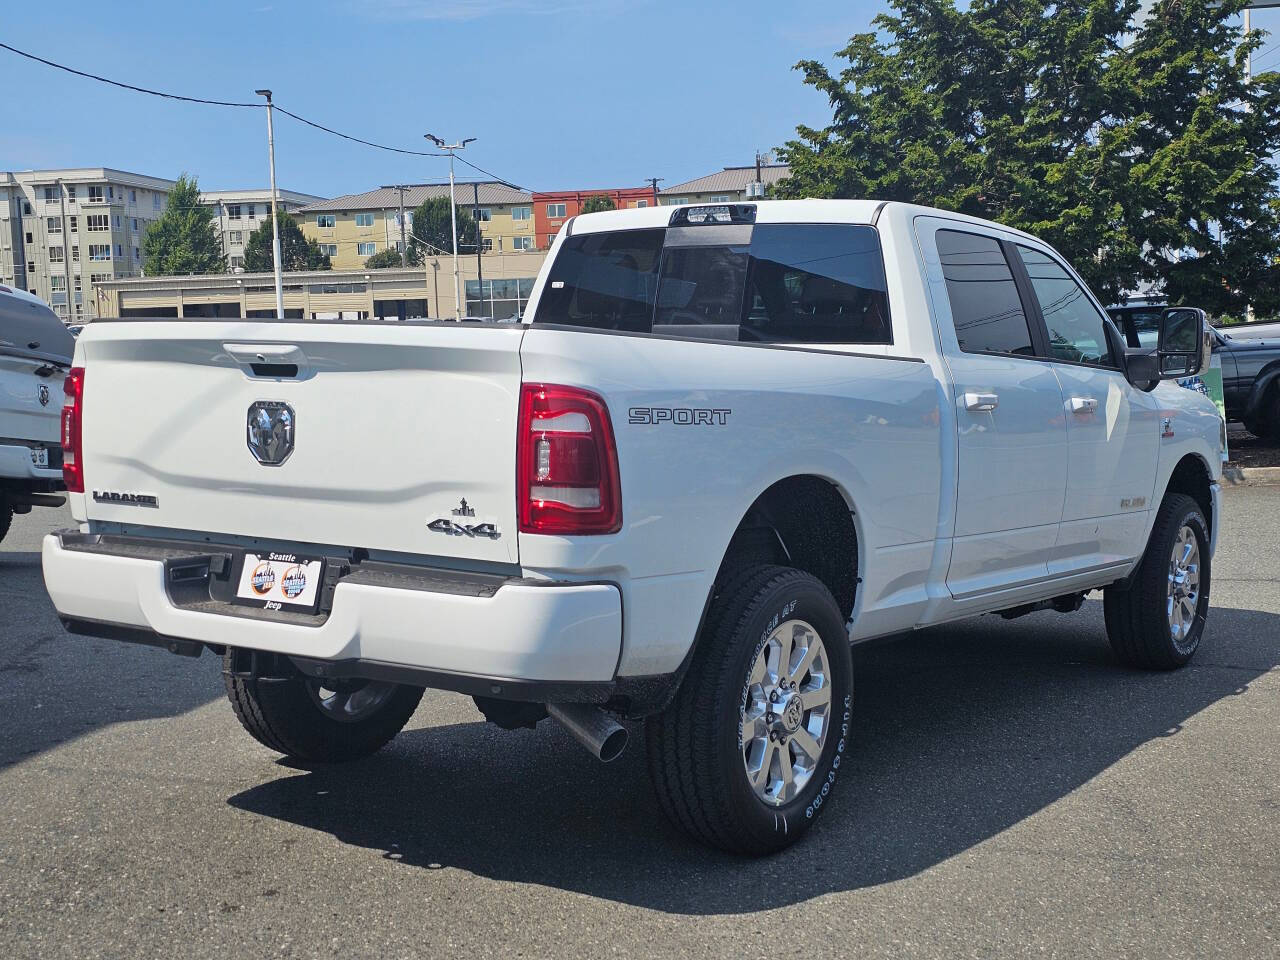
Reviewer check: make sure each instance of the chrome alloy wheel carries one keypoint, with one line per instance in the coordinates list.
(1184, 585)
(349, 701)
(786, 714)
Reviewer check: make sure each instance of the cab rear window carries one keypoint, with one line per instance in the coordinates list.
(772, 283)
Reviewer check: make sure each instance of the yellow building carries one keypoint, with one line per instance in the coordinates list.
(353, 228)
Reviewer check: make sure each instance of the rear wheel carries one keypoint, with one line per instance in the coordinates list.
(746, 755)
(1156, 623)
(6, 515)
(318, 720)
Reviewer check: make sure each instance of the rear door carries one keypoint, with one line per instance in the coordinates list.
(392, 437)
(1011, 435)
(1113, 429)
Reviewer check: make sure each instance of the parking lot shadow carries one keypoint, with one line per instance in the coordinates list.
(960, 733)
(55, 687)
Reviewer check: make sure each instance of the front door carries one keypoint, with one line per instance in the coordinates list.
(1011, 435)
(1113, 429)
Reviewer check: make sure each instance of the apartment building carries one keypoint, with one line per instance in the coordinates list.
(552, 208)
(237, 213)
(352, 228)
(66, 231)
(730, 185)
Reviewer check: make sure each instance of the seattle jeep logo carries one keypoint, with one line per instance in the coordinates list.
(270, 432)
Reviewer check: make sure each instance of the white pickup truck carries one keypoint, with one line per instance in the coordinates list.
(725, 443)
(35, 353)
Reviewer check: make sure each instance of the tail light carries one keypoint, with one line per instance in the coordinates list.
(72, 420)
(566, 463)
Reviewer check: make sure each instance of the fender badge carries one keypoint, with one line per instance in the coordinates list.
(1166, 427)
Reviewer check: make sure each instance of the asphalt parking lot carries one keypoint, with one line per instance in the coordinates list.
(1013, 792)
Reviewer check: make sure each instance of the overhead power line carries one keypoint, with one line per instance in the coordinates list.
(231, 103)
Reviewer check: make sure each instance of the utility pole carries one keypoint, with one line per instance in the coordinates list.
(275, 220)
(653, 181)
(453, 148)
(404, 246)
(475, 193)
(66, 250)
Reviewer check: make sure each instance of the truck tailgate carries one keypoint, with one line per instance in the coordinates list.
(393, 427)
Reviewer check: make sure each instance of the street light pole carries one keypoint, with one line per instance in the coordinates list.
(452, 148)
(275, 220)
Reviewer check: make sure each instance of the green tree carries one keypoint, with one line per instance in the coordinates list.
(598, 202)
(433, 231)
(1137, 149)
(296, 251)
(389, 257)
(183, 240)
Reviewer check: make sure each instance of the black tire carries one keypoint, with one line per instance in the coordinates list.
(284, 715)
(6, 516)
(1137, 618)
(694, 748)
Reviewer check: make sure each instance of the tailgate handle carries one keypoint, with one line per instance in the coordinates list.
(279, 361)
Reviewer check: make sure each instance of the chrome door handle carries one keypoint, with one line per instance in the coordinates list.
(981, 401)
(1083, 404)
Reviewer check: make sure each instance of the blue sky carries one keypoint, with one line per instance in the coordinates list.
(561, 94)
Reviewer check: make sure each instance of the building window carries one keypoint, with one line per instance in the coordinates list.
(58, 283)
(133, 196)
(329, 249)
(77, 282)
(155, 201)
(555, 210)
(482, 214)
(721, 198)
(487, 244)
(95, 193)
(99, 251)
(31, 237)
(50, 193)
(111, 192)
(26, 209)
(522, 243)
(521, 213)
(135, 224)
(642, 203)
(237, 263)
(364, 219)
(119, 250)
(116, 221)
(234, 236)
(137, 254)
(55, 224)
(31, 266)
(73, 224)
(75, 254)
(673, 201)
(253, 211)
(97, 221)
(56, 255)
(99, 277)
(366, 249)
(233, 211)
(325, 220)
(71, 194)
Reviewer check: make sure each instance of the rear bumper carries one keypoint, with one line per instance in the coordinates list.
(16, 464)
(481, 634)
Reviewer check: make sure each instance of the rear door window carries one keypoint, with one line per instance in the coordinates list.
(606, 281)
(985, 306)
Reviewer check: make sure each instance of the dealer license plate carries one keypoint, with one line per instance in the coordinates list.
(279, 581)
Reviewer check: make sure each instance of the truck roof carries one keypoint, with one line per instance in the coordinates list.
(810, 210)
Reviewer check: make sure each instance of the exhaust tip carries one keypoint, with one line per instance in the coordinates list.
(613, 745)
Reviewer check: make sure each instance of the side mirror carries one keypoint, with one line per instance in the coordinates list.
(1182, 342)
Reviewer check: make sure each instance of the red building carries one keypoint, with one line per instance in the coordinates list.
(552, 209)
